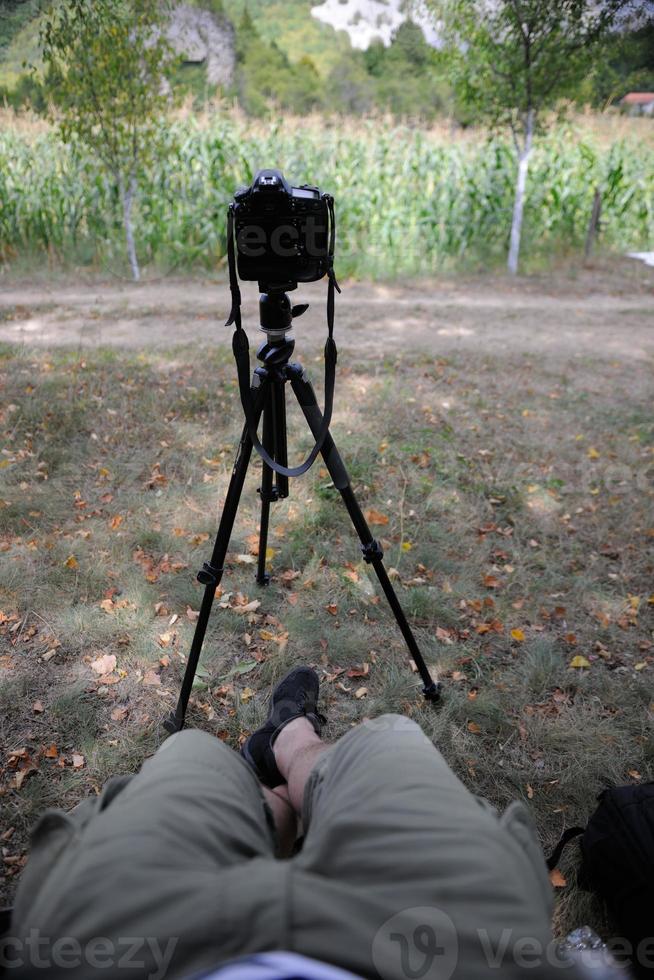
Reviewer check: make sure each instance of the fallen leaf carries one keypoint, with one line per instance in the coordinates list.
(332, 609)
(517, 635)
(52, 752)
(530, 792)
(247, 694)
(152, 679)
(593, 453)
(474, 727)
(556, 878)
(491, 582)
(192, 614)
(634, 774)
(375, 517)
(38, 708)
(71, 562)
(361, 693)
(104, 664)
(119, 714)
(248, 607)
(107, 605)
(359, 671)
(116, 521)
(78, 761)
(23, 773)
(579, 661)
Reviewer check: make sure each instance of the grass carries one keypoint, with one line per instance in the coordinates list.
(513, 499)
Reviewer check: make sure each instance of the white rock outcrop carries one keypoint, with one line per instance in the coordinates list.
(201, 37)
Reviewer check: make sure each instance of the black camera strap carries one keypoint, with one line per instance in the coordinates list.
(241, 349)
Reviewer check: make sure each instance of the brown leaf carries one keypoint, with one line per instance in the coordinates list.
(556, 878)
(104, 664)
(52, 752)
(38, 708)
(78, 761)
(332, 609)
(115, 522)
(119, 714)
(23, 773)
(248, 607)
(359, 671)
(361, 693)
(375, 517)
(152, 679)
(474, 727)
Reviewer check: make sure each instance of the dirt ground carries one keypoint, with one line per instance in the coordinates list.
(603, 311)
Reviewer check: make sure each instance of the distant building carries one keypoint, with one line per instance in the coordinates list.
(639, 103)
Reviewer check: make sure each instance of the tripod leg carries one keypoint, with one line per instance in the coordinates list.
(266, 491)
(212, 571)
(274, 441)
(372, 551)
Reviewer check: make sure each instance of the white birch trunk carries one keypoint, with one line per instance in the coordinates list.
(519, 199)
(128, 195)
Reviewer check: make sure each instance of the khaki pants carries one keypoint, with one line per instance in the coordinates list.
(403, 875)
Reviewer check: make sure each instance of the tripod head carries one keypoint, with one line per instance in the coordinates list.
(276, 316)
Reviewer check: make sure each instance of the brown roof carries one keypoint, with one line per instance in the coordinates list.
(638, 98)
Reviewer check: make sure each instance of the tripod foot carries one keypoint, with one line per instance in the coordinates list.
(173, 723)
(432, 692)
(263, 579)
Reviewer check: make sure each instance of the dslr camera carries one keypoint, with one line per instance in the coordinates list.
(282, 232)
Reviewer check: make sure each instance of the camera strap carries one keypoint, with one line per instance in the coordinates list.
(241, 349)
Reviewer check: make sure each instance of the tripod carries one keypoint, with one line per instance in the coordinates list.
(269, 399)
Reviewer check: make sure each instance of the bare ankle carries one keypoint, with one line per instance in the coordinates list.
(294, 739)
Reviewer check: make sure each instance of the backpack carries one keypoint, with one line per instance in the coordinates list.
(617, 850)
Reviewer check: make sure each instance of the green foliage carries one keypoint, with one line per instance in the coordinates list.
(511, 60)
(107, 62)
(289, 25)
(264, 74)
(408, 202)
(626, 63)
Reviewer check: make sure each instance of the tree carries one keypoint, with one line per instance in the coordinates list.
(108, 65)
(512, 60)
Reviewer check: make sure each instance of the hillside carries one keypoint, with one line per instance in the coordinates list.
(287, 23)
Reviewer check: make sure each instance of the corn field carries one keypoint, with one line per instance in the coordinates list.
(408, 202)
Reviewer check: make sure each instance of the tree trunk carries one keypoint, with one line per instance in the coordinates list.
(519, 199)
(128, 194)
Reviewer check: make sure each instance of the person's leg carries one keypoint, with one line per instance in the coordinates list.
(181, 859)
(284, 816)
(297, 748)
(402, 868)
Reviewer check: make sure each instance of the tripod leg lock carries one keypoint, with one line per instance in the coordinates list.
(372, 551)
(209, 574)
(269, 496)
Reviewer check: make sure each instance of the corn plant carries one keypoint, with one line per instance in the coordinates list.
(408, 202)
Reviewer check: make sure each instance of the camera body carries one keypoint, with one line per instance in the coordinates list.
(282, 232)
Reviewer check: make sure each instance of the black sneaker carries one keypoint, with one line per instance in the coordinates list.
(296, 696)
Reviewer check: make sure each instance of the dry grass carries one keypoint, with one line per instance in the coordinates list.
(518, 494)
